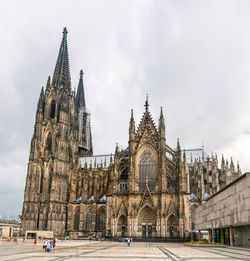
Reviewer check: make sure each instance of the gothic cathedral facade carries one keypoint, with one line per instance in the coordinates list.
(148, 190)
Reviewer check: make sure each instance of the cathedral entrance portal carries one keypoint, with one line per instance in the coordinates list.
(147, 222)
(122, 225)
(173, 225)
(147, 232)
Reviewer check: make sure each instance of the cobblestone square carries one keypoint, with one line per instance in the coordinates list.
(103, 250)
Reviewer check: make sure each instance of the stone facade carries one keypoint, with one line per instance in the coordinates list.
(227, 213)
(59, 138)
(148, 190)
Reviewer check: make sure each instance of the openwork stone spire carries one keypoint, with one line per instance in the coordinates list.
(62, 72)
(80, 97)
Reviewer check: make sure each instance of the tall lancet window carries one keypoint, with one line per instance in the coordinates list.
(147, 165)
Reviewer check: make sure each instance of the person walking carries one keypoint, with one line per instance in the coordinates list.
(128, 240)
(44, 244)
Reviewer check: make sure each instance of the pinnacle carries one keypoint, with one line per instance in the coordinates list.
(132, 115)
(161, 114)
(146, 103)
(80, 97)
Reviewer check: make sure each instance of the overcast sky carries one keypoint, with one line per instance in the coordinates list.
(191, 57)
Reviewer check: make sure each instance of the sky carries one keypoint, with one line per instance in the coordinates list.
(191, 57)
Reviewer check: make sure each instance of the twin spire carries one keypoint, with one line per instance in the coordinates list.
(61, 75)
(62, 71)
(80, 97)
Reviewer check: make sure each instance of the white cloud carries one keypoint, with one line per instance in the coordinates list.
(192, 57)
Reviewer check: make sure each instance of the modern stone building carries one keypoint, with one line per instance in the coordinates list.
(226, 215)
(147, 190)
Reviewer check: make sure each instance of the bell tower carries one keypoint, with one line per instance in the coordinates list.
(61, 128)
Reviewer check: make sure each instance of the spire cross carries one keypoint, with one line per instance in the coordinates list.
(65, 31)
(81, 73)
(146, 103)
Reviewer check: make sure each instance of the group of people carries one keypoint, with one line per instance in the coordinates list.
(49, 245)
(128, 240)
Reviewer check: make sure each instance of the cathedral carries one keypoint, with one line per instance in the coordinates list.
(148, 190)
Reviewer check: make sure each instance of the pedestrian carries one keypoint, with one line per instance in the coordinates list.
(35, 241)
(128, 241)
(46, 244)
(23, 239)
(51, 244)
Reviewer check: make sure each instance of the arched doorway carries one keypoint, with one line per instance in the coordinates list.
(122, 225)
(172, 226)
(147, 222)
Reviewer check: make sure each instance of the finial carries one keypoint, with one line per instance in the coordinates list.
(161, 113)
(81, 73)
(222, 159)
(203, 154)
(65, 31)
(48, 82)
(238, 166)
(132, 115)
(178, 145)
(146, 103)
(116, 148)
(232, 163)
(105, 162)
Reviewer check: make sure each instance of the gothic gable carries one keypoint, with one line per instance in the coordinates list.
(147, 132)
(172, 209)
(146, 199)
(122, 210)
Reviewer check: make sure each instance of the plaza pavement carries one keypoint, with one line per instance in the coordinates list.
(103, 250)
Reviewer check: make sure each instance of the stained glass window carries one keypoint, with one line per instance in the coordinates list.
(77, 219)
(101, 218)
(88, 220)
(147, 165)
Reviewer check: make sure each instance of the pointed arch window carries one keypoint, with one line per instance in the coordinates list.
(101, 219)
(41, 181)
(58, 112)
(77, 219)
(88, 220)
(50, 180)
(147, 165)
(53, 109)
(49, 143)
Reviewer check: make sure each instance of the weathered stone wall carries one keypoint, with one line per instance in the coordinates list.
(230, 207)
